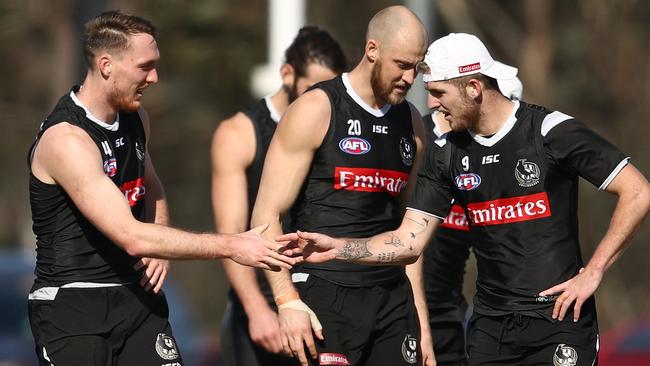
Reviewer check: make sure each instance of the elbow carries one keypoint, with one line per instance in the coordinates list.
(645, 196)
(412, 255)
(410, 259)
(131, 244)
(133, 248)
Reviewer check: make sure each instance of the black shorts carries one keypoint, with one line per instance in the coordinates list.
(448, 335)
(237, 347)
(374, 325)
(121, 325)
(523, 340)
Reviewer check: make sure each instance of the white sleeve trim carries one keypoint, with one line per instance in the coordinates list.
(614, 173)
(552, 120)
(426, 213)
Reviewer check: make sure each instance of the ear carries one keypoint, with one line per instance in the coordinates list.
(104, 65)
(474, 88)
(372, 50)
(288, 75)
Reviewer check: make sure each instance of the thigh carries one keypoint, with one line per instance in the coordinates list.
(77, 350)
(236, 346)
(66, 335)
(346, 314)
(492, 341)
(396, 334)
(152, 341)
(448, 342)
(563, 343)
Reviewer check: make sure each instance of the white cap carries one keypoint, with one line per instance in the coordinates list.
(460, 54)
(511, 88)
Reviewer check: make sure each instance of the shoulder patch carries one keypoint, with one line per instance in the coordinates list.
(552, 120)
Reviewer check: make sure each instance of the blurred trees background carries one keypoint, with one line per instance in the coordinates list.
(587, 58)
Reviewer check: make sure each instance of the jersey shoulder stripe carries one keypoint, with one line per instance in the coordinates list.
(553, 119)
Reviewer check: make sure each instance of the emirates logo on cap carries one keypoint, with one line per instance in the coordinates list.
(471, 67)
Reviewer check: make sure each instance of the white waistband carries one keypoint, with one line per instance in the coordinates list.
(49, 293)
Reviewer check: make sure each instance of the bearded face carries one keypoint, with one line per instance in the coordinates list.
(387, 89)
(466, 114)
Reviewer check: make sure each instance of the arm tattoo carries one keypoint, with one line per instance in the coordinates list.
(354, 249)
(394, 241)
(423, 224)
(386, 257)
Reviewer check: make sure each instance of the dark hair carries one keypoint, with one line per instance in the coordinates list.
(111, 31)
(461, 82)
(313, 44)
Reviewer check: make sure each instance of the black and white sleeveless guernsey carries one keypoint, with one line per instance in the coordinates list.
(69, 248)
(355, 178)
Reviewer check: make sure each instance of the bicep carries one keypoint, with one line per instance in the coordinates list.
(579, 150)
(233, 150)
(418, 227)
(628, 180)
(77, 168)
(229, 197)
(290, 154)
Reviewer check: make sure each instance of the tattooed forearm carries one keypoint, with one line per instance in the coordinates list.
(354, 249)
(424, 224)
(394, 241)
(386, 257)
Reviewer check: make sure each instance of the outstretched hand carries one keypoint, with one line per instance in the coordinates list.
(577, 289)
(251, 249)
(315, 247)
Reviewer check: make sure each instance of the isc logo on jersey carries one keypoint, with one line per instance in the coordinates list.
(467, 181)
(354, 145)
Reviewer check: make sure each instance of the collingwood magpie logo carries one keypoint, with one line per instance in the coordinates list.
(527, 173)
(565, 356)
(410, 349)
(406, 150)
(139, 150)
(166, 347)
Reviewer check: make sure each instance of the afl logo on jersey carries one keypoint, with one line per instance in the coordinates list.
(406, 150)
(110, 167)
(354, 145)
(527, 173)
(467, 181)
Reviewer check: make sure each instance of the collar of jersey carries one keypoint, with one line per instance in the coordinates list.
(374, 111)
(436, 129)
(510, 123)
(111, 127)
(275, 116)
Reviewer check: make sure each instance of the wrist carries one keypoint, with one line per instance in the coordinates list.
(286, 297)
(227, 249)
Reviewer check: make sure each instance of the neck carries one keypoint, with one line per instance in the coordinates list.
(280, 100)
(360, 81)
(494, 113)
(95, 99)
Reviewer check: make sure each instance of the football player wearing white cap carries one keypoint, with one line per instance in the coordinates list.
(445, 257)
(514, 168)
